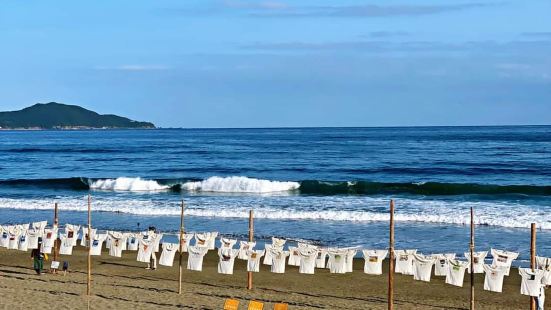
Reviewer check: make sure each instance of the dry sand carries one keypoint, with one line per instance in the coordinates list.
(123, 283)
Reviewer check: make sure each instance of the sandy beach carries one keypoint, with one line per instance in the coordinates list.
(123, 283)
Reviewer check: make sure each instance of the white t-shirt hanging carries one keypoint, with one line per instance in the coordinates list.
(117, 241)
(244, 247)
(50, 235)
(167, 256)
(278, 260)
(321, 258)
(14, 234)
(186, 239)
(337, 261)
(294, 256)
(493, 281)
(267, 254)
(39, 225)
(478, 261)
(202, 239)
(145, 250)
(32, 238)
(278, 243)
(71, 233)
(503, 259)
(442, 262)
(97, 244)
(422, 267)
(456, 272)
(404, 261)
(227, 260)
(350, 259)
(226, 243)
(66, 247)
(84, 234)
(544, 263)
(4, 237)
(23, 242)
(531, 281)
(133, 242)
(374, 261)
(308, 257)
(195, 257)
(253, 261)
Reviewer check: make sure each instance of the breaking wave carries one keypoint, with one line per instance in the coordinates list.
(128, 184)
(240, 185)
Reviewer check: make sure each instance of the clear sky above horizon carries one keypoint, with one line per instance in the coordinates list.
(239, 63)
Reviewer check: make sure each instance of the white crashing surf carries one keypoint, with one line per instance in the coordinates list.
(128, 185)
(239, 184)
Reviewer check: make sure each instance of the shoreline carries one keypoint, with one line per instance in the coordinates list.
(123, 283)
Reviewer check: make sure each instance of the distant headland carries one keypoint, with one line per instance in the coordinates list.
(55, 115)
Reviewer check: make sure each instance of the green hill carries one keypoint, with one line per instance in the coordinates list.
(62, 116)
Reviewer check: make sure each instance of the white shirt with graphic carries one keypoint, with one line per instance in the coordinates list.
(478, 261)
(278, 260)
(374, 261)
(493, 281)
(503, 259)
(422, 267)
(456, 272)
(195, 257)
(227, 259)
(167, 256)
(404, 261)
(532, 281)
(442, 263)
(253, 261)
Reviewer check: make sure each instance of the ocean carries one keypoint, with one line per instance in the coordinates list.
(331, 186)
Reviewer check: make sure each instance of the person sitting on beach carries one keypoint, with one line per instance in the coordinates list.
(38, 258)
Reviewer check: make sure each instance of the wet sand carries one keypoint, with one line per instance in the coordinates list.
(124, 283)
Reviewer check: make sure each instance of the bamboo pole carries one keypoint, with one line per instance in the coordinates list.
(391, 259)
(89, 282)
(533, 259)
(251, 238)
(471, 251)
(181, 249)
(56, 243)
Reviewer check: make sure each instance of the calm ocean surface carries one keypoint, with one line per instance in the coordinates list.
(330, 185)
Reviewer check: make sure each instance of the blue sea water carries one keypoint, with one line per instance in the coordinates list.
(329, 185)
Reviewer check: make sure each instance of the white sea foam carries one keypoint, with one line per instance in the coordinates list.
(351, 209)
(239, 184)
(128, 184)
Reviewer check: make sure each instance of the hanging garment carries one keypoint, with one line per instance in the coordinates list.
(278, 243)
(116, 243)
(84, 234)
(374, 261)
(4, 237)
(50, 235)
(14, 232)
(97, 244)
(294, 256)
(32, 238)
(308, 257)
(456, 272)
(186, 239)
(442, 263)
(227, 260)
(337, 260)
(66, 246)
(132, 241)
(278, 260)
(503, 259)
(39, 225)
(145, 250)
(167, 256)
(71, 232)
(23, 243)
(195, 257)
(253, 261)
(493, 281)
(321, 259)
(244, 248)
(478, 261)
(404, 261)
(422, 267)
(544, 263)
(226, 243)
(531, 281)
(350, 259)
(203, 239)
(302, 245)
(267, 254)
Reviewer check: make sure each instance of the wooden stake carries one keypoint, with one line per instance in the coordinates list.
(56, 244)
(533, 259)
(251, 238)
(391, 259)
(89, 286)
(471, 250)
(181, 249)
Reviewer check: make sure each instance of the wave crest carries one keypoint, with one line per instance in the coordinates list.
(128, 184)
(239, 184)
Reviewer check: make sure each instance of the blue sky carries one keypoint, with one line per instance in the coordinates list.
(239, 63)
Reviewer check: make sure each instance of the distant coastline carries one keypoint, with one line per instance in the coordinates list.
(58, 116)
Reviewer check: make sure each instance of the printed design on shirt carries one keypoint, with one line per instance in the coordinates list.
(253, 255)
(70, 234)
(373, 259)
(404, 258)
(502, 258)
(475, 260)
